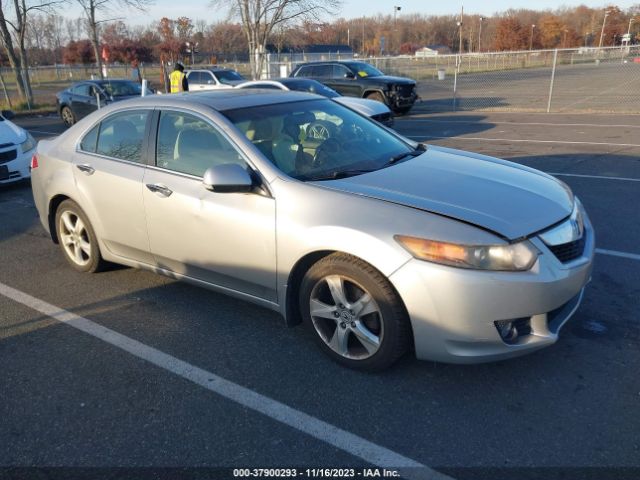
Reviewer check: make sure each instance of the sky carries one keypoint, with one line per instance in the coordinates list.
(202, 9)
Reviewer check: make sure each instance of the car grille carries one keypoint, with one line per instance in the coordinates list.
(569, 251)
(8, 156)
(405, 90)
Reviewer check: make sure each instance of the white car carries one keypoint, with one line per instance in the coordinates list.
(376, 110)
(17, 146)
(212, 78)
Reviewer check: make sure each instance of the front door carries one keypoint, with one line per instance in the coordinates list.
(225, 239)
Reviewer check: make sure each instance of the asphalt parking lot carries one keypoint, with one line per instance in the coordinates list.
(132, 370)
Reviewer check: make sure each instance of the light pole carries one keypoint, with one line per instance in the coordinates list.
(604, 22)
(480, 35)
(631, 20)
(533, 27)
(395, 29)
(460, 23)
(564, 39)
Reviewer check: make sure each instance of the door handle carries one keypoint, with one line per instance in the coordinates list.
(84, 168)
(159, 189)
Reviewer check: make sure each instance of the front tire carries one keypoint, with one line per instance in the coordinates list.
(77, 238)
(354, 313)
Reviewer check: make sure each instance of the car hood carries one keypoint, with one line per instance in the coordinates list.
(387, 79)
(509, 199)
(11, 133)
(364, 106)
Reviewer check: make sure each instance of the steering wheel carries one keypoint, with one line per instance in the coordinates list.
(326, 153)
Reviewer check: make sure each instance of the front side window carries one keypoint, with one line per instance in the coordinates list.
(304, 72)
(319, 139)
(228, 77)
(340, 71)
(121, 136)
(195, 78)
(191, 145)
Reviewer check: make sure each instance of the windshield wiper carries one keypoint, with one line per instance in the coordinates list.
(335, 175)
(419, 150)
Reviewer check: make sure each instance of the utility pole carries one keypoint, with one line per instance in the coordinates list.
(460, 25)
(363, 37)
(395, 28)
(604, 22)
(480, 36)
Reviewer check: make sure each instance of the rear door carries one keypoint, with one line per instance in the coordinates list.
(224, 239)
(109, 165)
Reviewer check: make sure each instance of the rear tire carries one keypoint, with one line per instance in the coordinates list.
(67, 116)
(77, 238)
(354, 313)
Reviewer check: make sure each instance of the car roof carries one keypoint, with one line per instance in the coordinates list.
(321, 62)
(226, 99)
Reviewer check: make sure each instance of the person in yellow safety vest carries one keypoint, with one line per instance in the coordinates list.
(178, 79)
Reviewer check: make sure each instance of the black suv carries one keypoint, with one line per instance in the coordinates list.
(359, 79)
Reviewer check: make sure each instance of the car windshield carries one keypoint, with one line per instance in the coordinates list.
(310, 86)
(227, 76)
(319, 139)
(365, 70)
(122, 89)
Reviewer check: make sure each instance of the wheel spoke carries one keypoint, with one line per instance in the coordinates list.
(77, 251)
(336, 287)
(85, 247)
(339, 340)
(79, 226)
(364, 305)
(321, 309)
(68, 224)
(369, 341)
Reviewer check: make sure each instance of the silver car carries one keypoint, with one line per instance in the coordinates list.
(375, 242)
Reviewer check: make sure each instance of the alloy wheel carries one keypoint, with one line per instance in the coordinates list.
(346, 317)
(75, 239)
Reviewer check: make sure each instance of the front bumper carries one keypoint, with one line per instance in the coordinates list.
(18, 168)
(398, 101)
(453, 311)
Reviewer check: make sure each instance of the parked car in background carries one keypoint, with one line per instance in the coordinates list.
(377, 243)
(16, 149)
(212, 78)
(83, 98)
(376, 110)
(359, 79)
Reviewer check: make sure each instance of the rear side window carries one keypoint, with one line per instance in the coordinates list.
(304, 72)
(323, 71)
(81, 90)
(90, 140)
(121, 136)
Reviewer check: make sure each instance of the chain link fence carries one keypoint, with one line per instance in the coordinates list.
(605, 80)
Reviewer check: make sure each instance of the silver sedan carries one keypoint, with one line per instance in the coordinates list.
(375, 242)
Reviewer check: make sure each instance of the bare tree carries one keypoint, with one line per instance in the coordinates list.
(93, 8)
(259, 18)
(13, 33)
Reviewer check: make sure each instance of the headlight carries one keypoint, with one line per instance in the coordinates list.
(28, 144)
(513, 257)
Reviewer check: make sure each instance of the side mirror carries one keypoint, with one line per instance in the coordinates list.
(8, 114)
(227, 178)
(349, 75)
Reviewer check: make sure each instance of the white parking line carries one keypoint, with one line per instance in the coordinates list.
(512, 140)
(598, 177)
(615, 253)
(345, 441)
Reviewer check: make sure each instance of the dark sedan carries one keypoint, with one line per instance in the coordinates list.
(82, 98)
